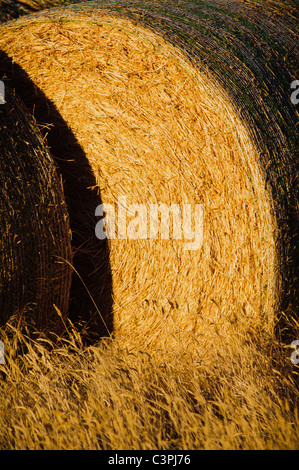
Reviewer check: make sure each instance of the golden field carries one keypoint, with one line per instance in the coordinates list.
(106, 397)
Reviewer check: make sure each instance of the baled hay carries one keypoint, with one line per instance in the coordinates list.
(35, 235)
(168, 107)
(11, 9)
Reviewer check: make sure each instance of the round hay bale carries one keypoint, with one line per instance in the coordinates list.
(34, 225)
(185, 106)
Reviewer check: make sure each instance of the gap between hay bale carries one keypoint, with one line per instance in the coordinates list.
(158, 129)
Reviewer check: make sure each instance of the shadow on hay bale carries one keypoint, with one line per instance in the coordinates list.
(91, 280)
(34, 225)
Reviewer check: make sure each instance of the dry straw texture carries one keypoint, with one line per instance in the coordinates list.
(164, 102)
(176, 105)
(106, 398)
(35, 234)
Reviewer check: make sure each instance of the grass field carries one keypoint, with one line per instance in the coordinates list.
(242, 393)
(245, 396)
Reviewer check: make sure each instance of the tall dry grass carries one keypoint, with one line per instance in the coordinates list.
(105, 397)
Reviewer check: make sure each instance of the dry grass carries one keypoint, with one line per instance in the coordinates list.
(105, 397)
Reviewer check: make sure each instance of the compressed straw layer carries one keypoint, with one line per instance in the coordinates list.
(35, 235)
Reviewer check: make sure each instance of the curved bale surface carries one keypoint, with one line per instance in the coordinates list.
(12, 9)
(188, 105)
(34, 225)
